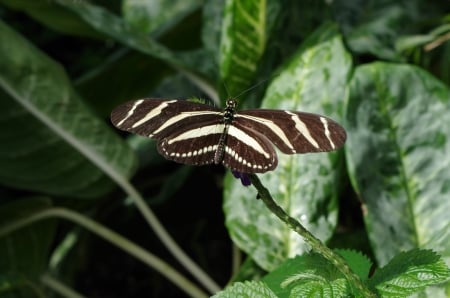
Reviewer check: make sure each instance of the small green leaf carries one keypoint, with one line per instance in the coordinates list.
(24, 252)
(51, 142)
(409, 272)
(359, 263)
(306, 186)
(246, 290)
(398, 124)
(308, 275)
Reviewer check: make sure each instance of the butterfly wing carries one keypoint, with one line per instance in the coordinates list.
(159, 118)
(294, 132)
(192, 145)
(186, 132)
(248, 151)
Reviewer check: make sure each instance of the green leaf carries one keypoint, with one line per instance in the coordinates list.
(374, 26)
(243, 43)
(358, 263)
(308, 275)
(156, 15)
(111, 25)
(24, 252)
(398, 128)
(54, 16)
(212, 19)
(306, 186)
(51, 142)
(409, 272)
(246, 290)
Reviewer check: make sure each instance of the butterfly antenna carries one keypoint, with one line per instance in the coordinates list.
(251, 88)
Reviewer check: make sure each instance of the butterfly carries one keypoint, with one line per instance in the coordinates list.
(198, 134)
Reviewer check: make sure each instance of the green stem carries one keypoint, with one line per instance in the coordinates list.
(309, 238)
(59, 287)
(112, 237)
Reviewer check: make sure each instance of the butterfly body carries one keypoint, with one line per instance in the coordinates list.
(198, 134)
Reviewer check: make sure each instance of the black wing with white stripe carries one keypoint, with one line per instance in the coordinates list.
(294, 132)
(197, 134)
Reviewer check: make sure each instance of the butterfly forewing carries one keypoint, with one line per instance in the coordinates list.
(156, 118)
(294, 132)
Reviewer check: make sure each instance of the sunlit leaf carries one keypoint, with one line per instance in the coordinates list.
(410, 272)
(246, 290)
(398, 123)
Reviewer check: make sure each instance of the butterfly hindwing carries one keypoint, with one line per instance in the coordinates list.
(248, 151)
(193, 145)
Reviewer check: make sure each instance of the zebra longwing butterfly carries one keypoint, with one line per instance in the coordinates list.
(198, 134)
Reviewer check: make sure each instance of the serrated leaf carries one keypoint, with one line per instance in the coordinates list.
(409, 272)
(304, 185)
(51, 142)
(246, 290)
(243, 42)
(398, 123)
(24, 252)
(308, 275)
(358, 263)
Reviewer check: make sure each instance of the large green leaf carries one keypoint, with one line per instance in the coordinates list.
(305, 186)
(398, 122)
(51, 142)
(24, 253)
(244, 37)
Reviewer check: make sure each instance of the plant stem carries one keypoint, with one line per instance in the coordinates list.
(309, 238)
(112, 237)
(59, 287)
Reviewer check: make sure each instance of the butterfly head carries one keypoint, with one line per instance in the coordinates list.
(231, 104)
(229, 110)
